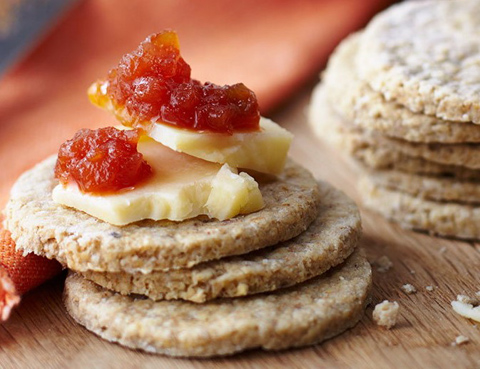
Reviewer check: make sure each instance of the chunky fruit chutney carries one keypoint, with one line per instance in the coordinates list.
(102, 161)
(153, 84)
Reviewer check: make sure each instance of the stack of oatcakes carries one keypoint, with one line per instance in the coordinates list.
(288, 275)
(402, 99)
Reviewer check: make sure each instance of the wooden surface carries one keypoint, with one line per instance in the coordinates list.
(41, 335)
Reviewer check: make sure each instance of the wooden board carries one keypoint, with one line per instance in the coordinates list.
(41, 335)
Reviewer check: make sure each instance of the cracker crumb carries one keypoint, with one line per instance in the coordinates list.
(412, 271)
(409, 289)
(467, 300)
(429, 288)
(385, 314)
(466, 310)
(460, 340)
(442, 250)
(383, 263)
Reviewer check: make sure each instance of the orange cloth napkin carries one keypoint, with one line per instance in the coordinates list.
(19, 274)
(273, 46)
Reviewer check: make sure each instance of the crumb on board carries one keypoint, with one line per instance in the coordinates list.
(460, 340)
(467, 300)
(385, 314)
(409, 289)
(467, 307)
(383, 264)
(442, 250)
(429, 288)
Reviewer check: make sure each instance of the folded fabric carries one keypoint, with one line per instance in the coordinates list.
(19, 274)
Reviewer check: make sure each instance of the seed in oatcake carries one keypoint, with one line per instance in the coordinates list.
(385, 314)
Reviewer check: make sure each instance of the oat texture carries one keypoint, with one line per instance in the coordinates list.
(305, 314)
(426, 56)
(439, 218)
(466, 155)
(83, 242)
(375, 154)
(328, 241)
(428, 187)
(359, 104)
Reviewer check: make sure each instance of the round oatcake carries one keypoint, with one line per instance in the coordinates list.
(301, 315)
(426, 56)
(428, 187)
(329, 240)
(438, 218)
(359, 104)
(372, 152)
(466, 155)
(83, 242)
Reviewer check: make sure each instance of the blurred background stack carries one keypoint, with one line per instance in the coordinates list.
(409, 124)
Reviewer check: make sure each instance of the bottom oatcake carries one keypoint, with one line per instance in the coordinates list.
(329, 240)
(301, 315)
(439, 218)
(82, 242)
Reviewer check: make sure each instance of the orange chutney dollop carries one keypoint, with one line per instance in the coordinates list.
(153, 83)
(102, 161)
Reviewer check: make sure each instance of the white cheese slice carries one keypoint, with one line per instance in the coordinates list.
(264, 151)
(181, 187)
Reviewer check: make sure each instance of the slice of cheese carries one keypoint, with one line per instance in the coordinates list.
(264, 151)
(182, 187)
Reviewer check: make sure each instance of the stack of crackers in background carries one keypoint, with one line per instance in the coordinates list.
(402, 99)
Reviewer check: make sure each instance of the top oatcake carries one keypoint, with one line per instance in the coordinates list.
(83, 242)
(426, 56)
(358, 103)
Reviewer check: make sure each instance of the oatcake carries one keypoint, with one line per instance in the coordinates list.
(426, 56)
(82, 242)
(444, 219)
(360, 105)
(365, 154)
(373, 153)
(428, 187)
(328, 241)
(466, 155)
(305, 314)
